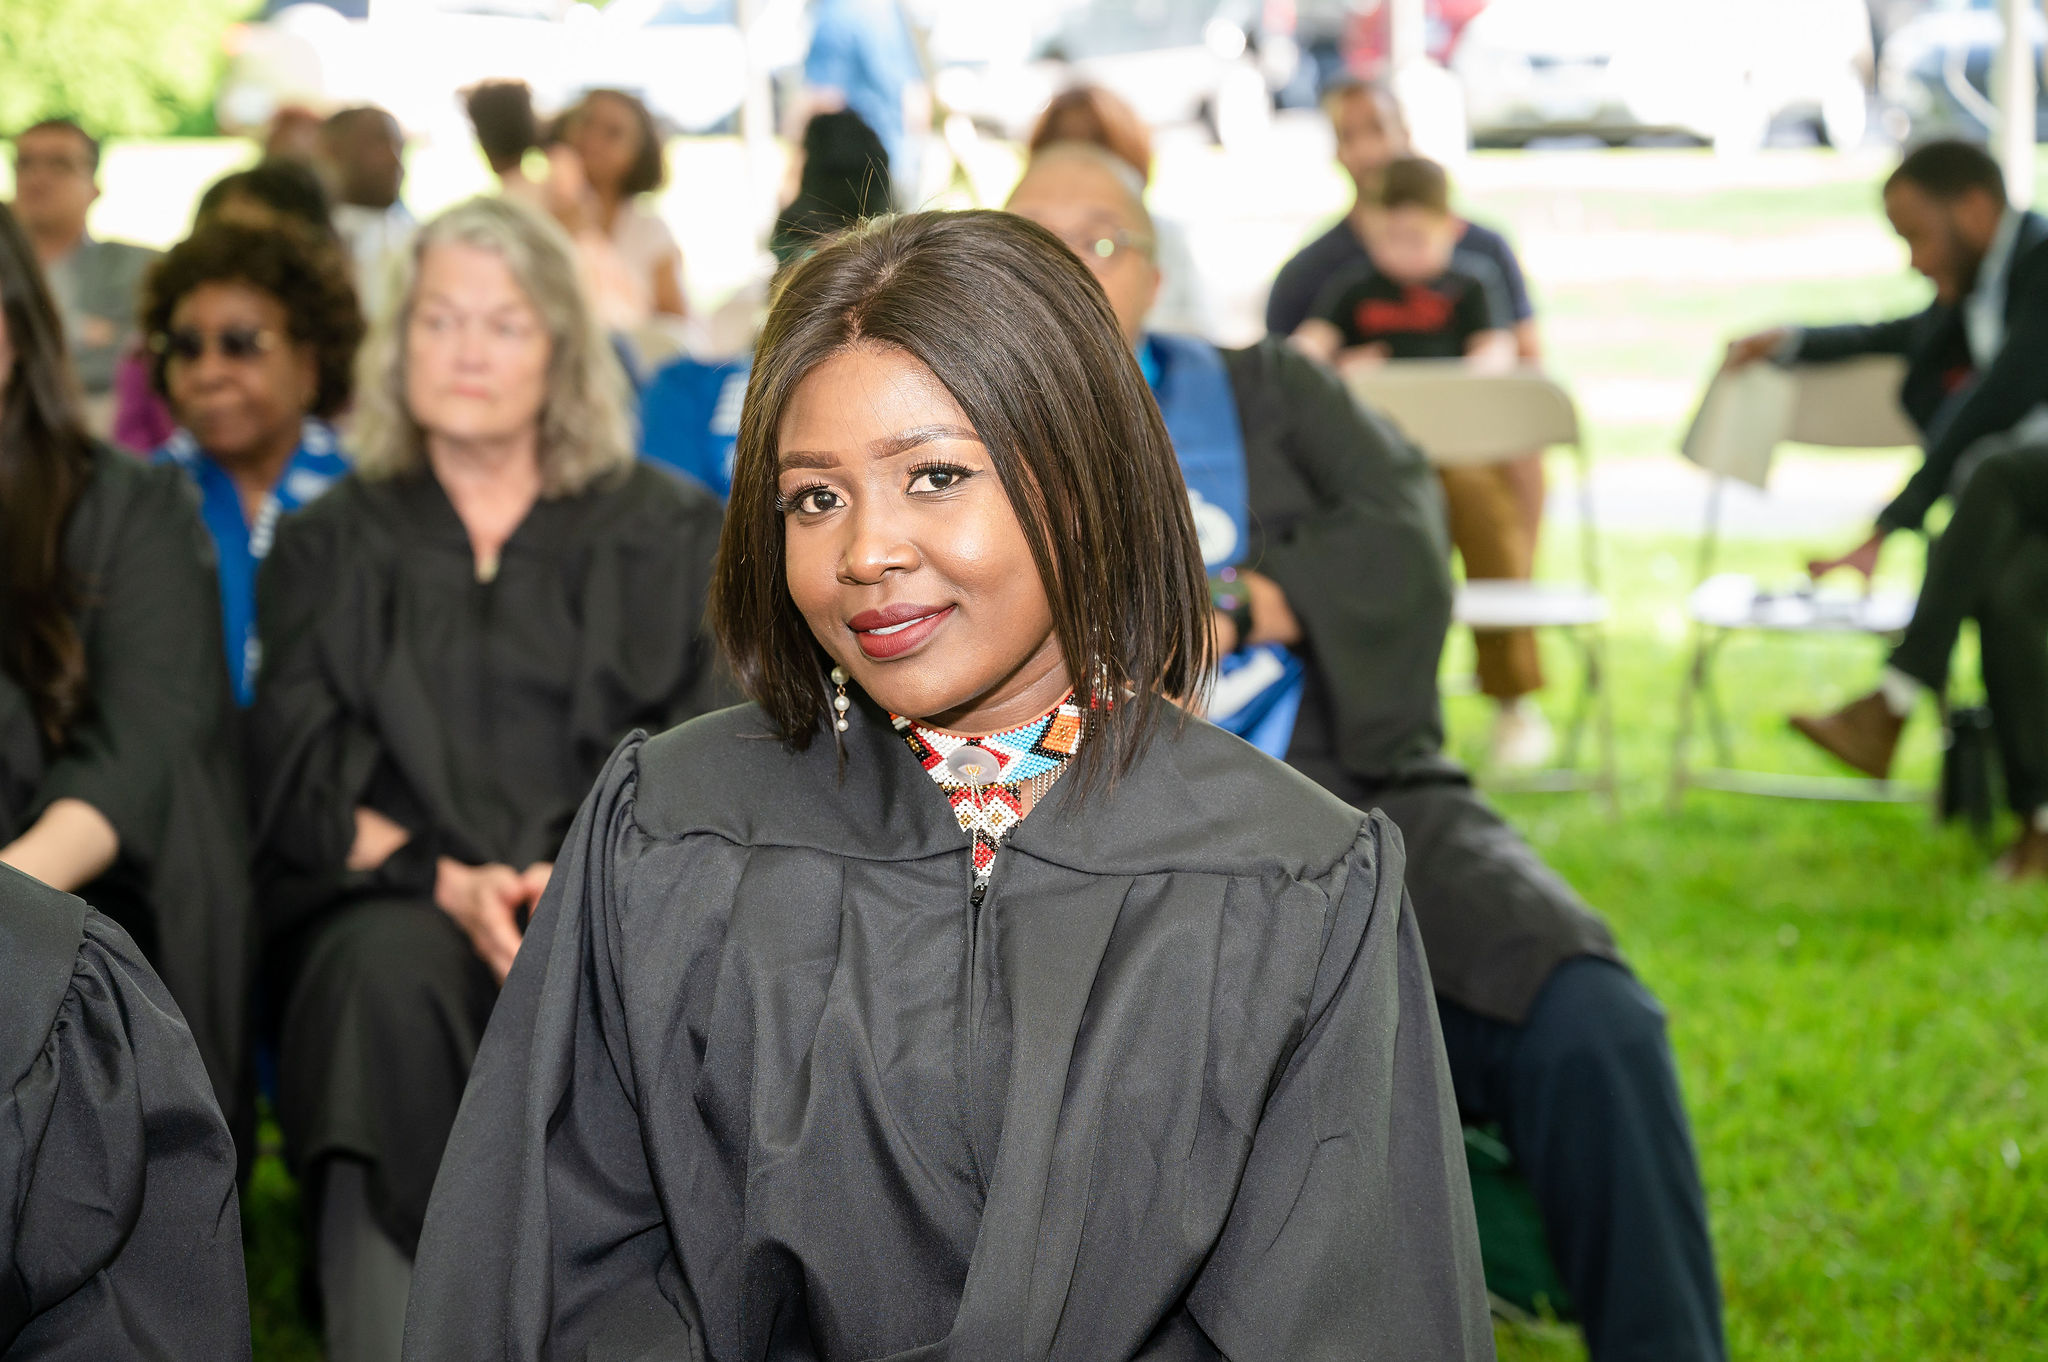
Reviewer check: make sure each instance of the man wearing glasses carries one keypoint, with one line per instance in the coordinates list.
(56, 169)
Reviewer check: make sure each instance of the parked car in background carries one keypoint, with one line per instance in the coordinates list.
(685, 57)
(1934, 77)
(1721, 71)
(1175, 61)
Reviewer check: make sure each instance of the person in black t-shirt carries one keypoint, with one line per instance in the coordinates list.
(1496, 512)
(1410, 298)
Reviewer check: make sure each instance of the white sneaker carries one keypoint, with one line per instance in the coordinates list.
(1522, 740)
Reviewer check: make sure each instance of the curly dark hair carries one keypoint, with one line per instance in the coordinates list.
(307, 276)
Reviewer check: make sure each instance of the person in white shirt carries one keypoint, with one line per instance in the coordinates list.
(362, 154)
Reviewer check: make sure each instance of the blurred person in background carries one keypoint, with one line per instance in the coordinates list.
(56, 181)
(1090, 113)
(631, 262)
(1497, 511)
(843, 178)
(270, 191)
(453, 638)
(690, 407)
(507, 128)
(293, 134)
(863, 57)
(362, 156)
(108, 1108)
(1976, 385)
(253, 330)
(1410, 300)
(1324, 533)
(119, 778)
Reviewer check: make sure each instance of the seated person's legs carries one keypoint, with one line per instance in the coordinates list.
(1572, 1062)
(1587, 1097)
(2005, 500)
(2012, 631)
(385, 1006)
(1488, 528)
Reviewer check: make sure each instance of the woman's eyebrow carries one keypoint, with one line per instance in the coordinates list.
(888, 447)
(891, 445)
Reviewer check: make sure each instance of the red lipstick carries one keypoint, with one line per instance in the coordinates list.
(895, 630)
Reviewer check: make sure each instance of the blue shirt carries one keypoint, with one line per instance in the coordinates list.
(690, 418)
(862, 49)
(240, 545)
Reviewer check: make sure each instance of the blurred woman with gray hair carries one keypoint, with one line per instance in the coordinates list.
(452, 640)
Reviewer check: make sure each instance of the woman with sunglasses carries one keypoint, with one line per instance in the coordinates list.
(453, 639)
(118, 775)
(252, 330)
(961, 997)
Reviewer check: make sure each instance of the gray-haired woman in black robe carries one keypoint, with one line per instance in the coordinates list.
(1040, 1022)
(453, 638)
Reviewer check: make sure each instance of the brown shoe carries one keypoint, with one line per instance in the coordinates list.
(2025, 859)
(1864, 733)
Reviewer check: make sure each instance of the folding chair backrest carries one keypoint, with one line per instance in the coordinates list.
(1853, 404)
(1462, 418)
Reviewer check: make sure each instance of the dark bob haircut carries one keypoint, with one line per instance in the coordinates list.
(1023, 338)
(1948, 168)
(306, 275)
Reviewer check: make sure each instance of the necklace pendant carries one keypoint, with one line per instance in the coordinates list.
(974, 767)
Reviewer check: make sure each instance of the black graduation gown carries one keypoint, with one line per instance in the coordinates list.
(765, 1083)
(155, 752)
(1347, 518)
(119, 1229)
(473, 714)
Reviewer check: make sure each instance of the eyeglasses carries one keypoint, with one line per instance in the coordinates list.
(1102, 247)
(238, 343)
(27, 163)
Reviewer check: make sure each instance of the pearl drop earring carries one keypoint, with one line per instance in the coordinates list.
(840, 704)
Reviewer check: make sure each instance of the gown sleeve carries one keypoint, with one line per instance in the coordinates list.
(119, 1226)
(154, 655)
(312, 754)
(545, 1237)
(1352, 1233)
(1367, 570)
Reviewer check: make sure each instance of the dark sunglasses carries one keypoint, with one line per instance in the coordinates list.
(239, 343)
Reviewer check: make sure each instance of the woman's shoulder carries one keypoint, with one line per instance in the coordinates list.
(1204, 801)
(41, 931)
(127, 498)
(350, 507)
(710, 773)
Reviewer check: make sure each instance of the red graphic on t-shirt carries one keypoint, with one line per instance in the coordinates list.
(1420, 308)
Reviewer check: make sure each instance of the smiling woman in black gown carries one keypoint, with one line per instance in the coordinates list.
(1040, 1022)
(453, 638)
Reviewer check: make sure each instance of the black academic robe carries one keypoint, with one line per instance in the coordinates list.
(473, 714)
(154, 752)
(766, 1083)
(1347, 518)
(120, 1235)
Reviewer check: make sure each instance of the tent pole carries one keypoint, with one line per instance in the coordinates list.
(2012, 89)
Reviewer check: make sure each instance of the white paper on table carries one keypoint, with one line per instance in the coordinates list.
(1746, 413)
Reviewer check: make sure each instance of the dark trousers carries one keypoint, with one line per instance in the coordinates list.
(1586, 1095)
(1991, 564)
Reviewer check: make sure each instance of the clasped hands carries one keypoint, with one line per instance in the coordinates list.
(489, 902)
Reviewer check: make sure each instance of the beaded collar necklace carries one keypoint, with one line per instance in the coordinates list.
(985, 778)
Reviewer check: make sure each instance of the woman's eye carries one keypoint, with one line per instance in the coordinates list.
(812, 501)
(938, 479)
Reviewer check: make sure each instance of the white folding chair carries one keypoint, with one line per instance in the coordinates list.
(1743, 418)
(1462, 418)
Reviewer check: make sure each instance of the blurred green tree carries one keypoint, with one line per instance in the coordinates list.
(123, 67)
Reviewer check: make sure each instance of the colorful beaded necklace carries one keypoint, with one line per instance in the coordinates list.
(985, 778)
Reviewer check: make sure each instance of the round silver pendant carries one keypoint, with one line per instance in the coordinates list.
(974, 766)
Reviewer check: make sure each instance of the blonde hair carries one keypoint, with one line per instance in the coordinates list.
(585, 429)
